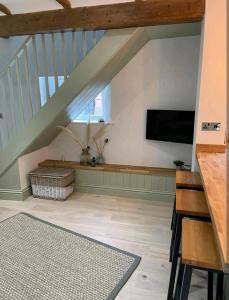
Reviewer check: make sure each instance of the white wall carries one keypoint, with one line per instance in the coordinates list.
(29, 162)
(211, 104)
(162, 75)
(212, 97)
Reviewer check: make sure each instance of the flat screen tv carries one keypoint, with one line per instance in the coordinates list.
(170, 125)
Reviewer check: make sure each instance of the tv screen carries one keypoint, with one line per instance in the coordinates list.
(170, 126)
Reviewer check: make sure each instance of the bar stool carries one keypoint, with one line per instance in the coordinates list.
(199, 251)
(186, 180)
(196, 209)
(190, 204)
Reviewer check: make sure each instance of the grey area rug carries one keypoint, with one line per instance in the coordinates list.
(39, 260)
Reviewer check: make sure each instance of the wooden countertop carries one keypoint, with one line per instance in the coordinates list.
(109, 168)
(213, 170)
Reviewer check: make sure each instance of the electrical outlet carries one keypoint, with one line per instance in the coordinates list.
(211, 126)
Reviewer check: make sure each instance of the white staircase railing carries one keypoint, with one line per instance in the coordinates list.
(36, 72)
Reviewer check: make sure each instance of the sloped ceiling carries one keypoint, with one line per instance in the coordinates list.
(24, 6)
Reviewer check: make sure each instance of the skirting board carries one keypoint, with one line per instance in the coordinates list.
(140, 186)
(18, 195)
(152, 187)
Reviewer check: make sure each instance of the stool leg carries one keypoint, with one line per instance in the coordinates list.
(186, 283)
(179, 281)
(175, 257)
(173, 215)
(173, 237)
(210, 285)
(219, 287)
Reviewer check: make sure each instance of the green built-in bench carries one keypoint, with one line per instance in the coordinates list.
(121, 180)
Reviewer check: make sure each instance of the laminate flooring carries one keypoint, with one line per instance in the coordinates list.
(135, 225)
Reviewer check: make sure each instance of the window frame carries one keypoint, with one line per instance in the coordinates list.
(105, 108)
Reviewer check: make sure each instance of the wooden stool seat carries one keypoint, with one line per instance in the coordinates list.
(187, 179)
(199, 251)
(198, 245)
(191, 203)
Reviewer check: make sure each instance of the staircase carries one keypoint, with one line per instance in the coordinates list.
(35, 75)
(54, 76)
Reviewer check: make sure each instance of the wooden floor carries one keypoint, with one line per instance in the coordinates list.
(134, 225)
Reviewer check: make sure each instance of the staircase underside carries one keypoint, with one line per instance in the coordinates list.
(108, 57)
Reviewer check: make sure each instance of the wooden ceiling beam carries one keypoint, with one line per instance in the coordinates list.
(112, 16)
(5, 10)
(65, 3)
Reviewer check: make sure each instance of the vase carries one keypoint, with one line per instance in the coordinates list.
(100, 160)
(85, 157)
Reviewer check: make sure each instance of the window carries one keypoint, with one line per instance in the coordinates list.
(97, 109)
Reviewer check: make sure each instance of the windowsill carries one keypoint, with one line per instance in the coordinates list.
(91, 122)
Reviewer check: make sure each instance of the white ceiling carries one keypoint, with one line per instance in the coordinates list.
(23, 6)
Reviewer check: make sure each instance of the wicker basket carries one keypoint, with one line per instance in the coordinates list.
(52, 192)
(52, 177)
(50, 183)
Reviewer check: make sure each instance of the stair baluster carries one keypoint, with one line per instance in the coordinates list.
(33, 77)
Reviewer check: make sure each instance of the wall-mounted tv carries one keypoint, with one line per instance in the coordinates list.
(170, 126)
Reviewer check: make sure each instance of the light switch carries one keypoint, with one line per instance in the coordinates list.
(211, 126)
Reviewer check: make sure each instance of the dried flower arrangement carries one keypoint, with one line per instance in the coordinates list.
(71, 135)
(90, 140)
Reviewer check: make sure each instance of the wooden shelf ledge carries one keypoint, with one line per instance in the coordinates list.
(210, 148)
(109, 168)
